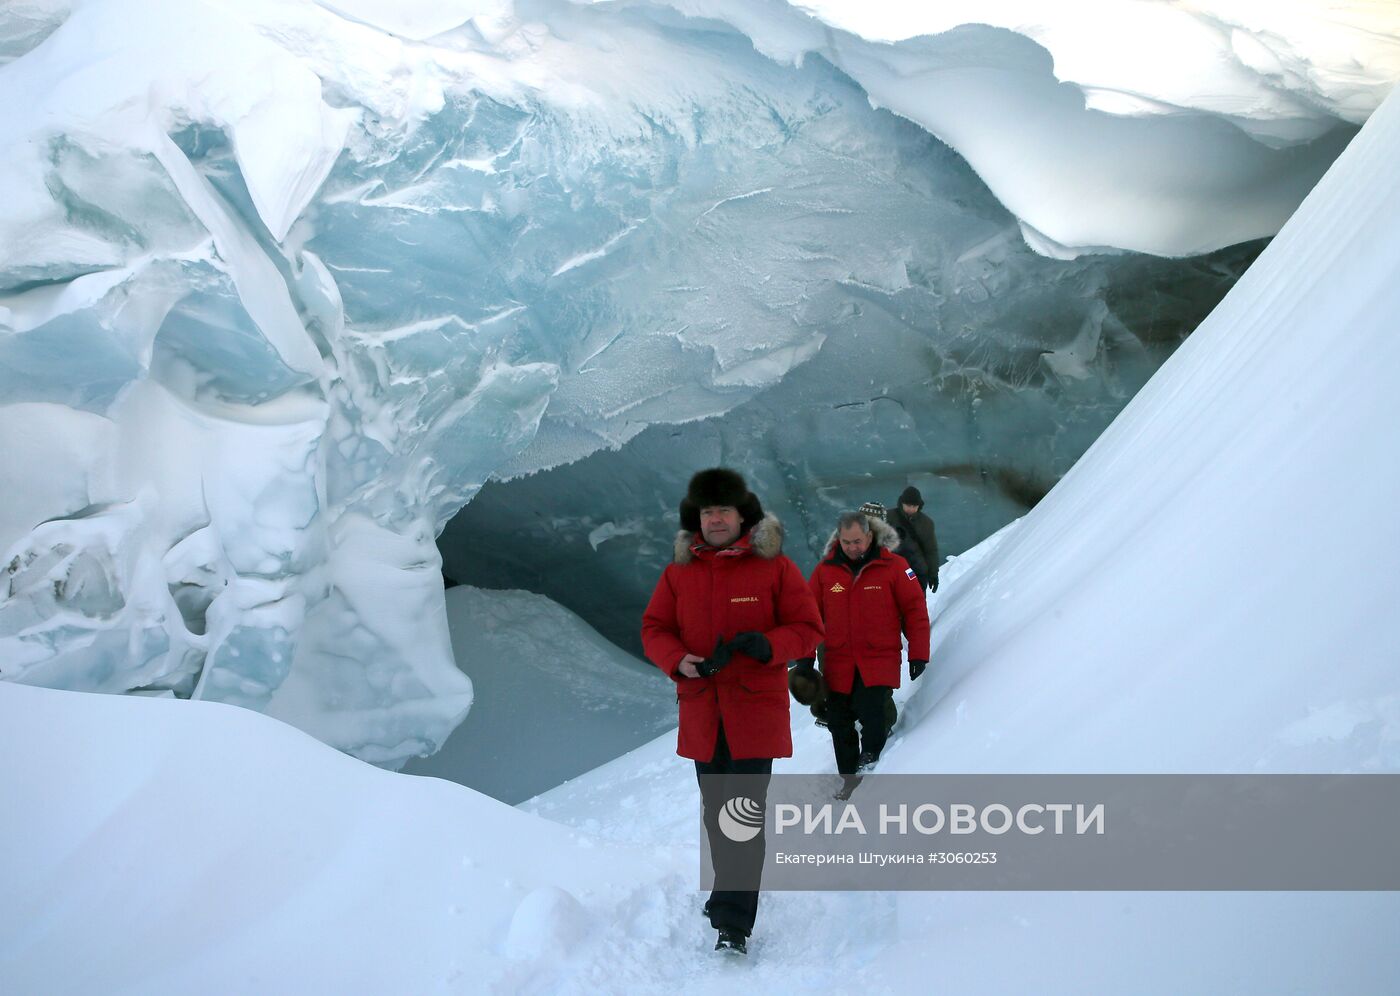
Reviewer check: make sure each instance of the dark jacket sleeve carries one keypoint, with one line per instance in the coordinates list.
(928, 542)
(799, 628)
(910, 551)
(913, 612)
(661, 639)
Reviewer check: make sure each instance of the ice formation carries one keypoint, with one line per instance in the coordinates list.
(283, 284)
(1122, 105)
(552, 698)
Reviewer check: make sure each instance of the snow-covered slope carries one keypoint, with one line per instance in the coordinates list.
(1214, 573)
(154, 846)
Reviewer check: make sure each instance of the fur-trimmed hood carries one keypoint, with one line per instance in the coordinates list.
(765, 540)
(885, 536)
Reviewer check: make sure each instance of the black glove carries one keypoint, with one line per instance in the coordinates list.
(752, 644)
(716, 661)
(916, 668)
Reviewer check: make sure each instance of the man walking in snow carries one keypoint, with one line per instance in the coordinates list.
(726, 616)
(868, 596)
(909, 518)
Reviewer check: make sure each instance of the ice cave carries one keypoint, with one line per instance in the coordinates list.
(355, 356)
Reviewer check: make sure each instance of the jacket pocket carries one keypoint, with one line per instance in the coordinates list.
(765, 679)
(688, 688)
(886, 640)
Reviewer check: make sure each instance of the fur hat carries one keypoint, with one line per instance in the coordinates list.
(804, 688)
(719, 486)
(873, 509)
(911, 496)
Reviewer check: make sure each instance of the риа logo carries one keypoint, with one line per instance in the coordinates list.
(741, 819)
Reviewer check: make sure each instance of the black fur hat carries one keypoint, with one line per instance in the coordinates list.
(911, 496)
(719, 486)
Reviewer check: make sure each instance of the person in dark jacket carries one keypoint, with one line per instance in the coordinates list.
(868, 596)
(907, 548)
(909, 517)
(726, 616)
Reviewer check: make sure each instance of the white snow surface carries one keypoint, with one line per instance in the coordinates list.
(1150, 615)
(266, 862)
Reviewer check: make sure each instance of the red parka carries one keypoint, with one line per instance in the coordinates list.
(708, 594)
(865, 614)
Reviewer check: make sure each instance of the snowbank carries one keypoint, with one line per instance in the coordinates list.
(158, 846)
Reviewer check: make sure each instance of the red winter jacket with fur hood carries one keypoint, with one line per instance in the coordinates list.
(707, 594)
(865, 614)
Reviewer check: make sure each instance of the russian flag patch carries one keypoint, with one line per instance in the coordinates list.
(909, 572)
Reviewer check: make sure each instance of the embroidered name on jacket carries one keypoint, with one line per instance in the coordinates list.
(745, 598)
(874, 587)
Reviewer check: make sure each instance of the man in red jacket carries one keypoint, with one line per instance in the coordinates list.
(727, 615)
(868, 596)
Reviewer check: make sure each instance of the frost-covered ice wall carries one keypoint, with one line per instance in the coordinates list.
(283, 284)
(1152, 125)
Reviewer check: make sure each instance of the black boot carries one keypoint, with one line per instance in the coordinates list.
(733, 942)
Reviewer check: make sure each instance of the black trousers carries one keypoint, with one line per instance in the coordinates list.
(865, 705)
(731, 908)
